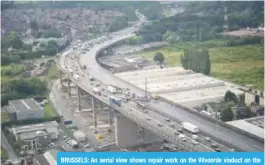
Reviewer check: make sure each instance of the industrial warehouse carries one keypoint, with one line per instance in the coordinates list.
(180, 86)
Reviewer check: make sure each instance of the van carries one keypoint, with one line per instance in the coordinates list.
(195, 137)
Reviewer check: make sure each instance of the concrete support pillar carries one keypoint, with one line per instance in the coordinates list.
(69, 87)
(94, 111)
(126, 132)
(109, 116)
(78, 97)
(101, 106)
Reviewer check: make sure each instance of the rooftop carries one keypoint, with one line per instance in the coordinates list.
(51, 156)
(48, 158)
(249, 126)
(35, 127)
(180, 86)
(23, 105)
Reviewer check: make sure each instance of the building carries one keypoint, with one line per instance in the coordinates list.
(34, 136)
(254, 98)
(253, 126)
(48, 158)
(24, 109)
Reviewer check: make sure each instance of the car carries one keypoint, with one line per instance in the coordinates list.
(195, 137)
(194, 142)
(217, 149)
(214, 145)
(180, 130)
(160, 125)
(207, 138)
(167, 119)
(145, 111)
(176, 133)
(148, 119)
(172, 125)
(232, 150)
(182, 137)
(87, 146)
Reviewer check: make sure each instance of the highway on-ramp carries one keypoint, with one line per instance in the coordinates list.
(222, 134)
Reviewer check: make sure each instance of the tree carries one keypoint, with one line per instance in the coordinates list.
(196, 60)
(207, 68)
(230, 96)
(15, 40)
(159, 57)
(33, 25)
(227, 114)
(243, 113)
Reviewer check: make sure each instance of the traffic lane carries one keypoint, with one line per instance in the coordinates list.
(220, 133)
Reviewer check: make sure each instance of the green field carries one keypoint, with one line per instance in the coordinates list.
(4, 117)
(240, 64)
(53, 72)
(49, 111)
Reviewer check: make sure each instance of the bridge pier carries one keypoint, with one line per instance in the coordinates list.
(94, 112)
(69, 87)
(126, 131)
(78, 97)
(110, 116)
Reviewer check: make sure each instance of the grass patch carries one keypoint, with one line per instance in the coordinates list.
(4, 117)
(239, 64)
(49, 111)
(3, 153)
(53, 72)
(12, 70)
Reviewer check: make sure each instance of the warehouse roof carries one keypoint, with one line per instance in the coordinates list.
(35, 127)
(23, 105)
(248, 126)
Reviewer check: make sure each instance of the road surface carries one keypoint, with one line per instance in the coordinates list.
(9, 149)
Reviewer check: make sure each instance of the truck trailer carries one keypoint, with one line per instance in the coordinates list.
(112, 89)
(190, 127)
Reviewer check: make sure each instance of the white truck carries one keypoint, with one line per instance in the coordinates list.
(76, 76)
(112, 89)
(190, 127)
(96, 90)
